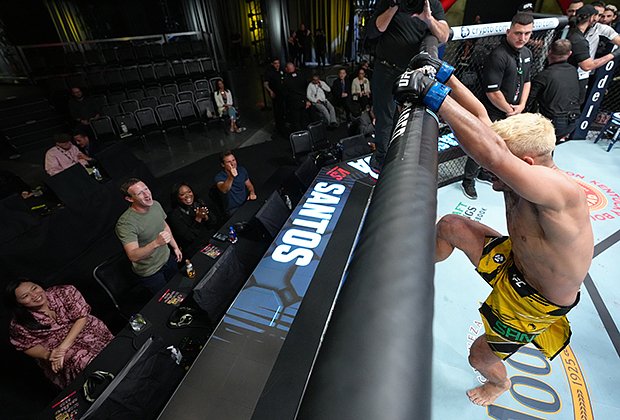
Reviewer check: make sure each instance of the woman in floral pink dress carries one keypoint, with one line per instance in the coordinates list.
(55, 327)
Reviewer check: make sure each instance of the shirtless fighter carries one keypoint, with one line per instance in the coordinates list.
(537, 271)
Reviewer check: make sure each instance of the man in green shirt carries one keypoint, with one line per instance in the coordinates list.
(145, 235)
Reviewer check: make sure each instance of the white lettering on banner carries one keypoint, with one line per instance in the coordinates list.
(499, 28)
(315, 215)
(591, 105)
(401, 125)
(363, 165)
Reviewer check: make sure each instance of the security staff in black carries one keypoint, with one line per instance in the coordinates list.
(506, 82)
(556, 90)
(273, 79)
(399, 27)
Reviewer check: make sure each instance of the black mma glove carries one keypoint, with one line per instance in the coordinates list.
(443, 70)
(417, 88)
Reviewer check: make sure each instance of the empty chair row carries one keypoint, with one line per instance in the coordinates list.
(146, 120)
(49, 60)
(134, 76)
(131, 105)
(157, 91)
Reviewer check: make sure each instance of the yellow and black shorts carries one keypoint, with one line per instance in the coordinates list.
(515, 314)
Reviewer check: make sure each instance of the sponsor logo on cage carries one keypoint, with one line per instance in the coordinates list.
(603, 201)
(537, 388)
(499, 258)
(491, 29)
(471, 212)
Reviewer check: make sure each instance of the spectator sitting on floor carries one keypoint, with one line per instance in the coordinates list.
(315, 92)
(224, 102)
(81, 108)
(341, 93)
(190, 220)
(234, 182)
(360, 89)
(55, 327)
(63, 155)
(556, 90)
(145, 235)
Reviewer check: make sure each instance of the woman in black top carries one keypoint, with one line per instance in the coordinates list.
(190, 220)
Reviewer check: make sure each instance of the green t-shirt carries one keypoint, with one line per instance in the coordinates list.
(144, 228)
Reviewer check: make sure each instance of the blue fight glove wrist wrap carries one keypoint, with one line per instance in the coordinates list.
(435, 96)
(444, 72)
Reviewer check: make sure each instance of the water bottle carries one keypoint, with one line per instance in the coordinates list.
(189, 269)
(232, 235)
(97, 174)
(124, 128)
(287, 201)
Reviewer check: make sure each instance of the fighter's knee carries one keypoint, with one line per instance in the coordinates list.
(448, 224)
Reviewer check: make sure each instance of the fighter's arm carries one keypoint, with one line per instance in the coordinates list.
(438, 27)
(490, 151)
(465, 98)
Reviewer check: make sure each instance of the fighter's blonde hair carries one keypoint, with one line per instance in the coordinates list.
(527, 134)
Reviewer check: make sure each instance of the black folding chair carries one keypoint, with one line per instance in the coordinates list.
(103, 129)
(301, 144)
(116, 97)
(163, 72)
(168, 99)
(147, 120)
(206, 110)
(186, 87)
(167, 116)
(213, 81)
(187, 113)
(157, 54)
(149, 102)
(186, 96)
(154, 91)
(170, 88)
(179, 70)
(318, 134)
(136, 94)
(202, 84)
(130, 105)
(131, 75)
(121, 284)
(127, 125)
(194, 69)
(147, 73)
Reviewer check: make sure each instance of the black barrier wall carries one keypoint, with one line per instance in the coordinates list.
(375, 360)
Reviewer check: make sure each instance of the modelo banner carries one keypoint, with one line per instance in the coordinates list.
(602, 79)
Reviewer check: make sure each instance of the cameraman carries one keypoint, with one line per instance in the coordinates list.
(400, 26)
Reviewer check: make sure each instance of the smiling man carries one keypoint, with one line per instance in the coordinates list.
(145, 235)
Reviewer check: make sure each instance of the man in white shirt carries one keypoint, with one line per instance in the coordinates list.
(316, 95)
(63, 155)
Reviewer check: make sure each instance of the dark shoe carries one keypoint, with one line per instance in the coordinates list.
(484, 176)
(469, 190)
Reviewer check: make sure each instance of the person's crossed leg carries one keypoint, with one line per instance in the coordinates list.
(455, 231)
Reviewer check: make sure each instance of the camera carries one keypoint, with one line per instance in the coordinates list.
(411, 6)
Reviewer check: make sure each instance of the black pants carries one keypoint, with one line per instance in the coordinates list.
(564, 125)
(279, 110)
(384, 107)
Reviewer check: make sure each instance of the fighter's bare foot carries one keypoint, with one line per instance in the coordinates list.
(486, 394)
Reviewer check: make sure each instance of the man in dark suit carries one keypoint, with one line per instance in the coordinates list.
(341, 93)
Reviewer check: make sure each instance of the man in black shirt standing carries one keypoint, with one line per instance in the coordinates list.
(581, 58)
(556, 90)
(506, 81)
(273, 85)
(294, 90)
(400, 26)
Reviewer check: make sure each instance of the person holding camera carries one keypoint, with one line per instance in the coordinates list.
(190, 220)
(399, 26)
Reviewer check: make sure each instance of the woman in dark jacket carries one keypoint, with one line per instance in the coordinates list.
(190, 220)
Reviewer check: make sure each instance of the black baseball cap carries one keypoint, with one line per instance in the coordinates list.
(587, 10)
(526, 7)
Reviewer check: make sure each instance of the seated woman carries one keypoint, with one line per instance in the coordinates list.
(360, 89)
(224, 102)
(190, 220)
(55, 327)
